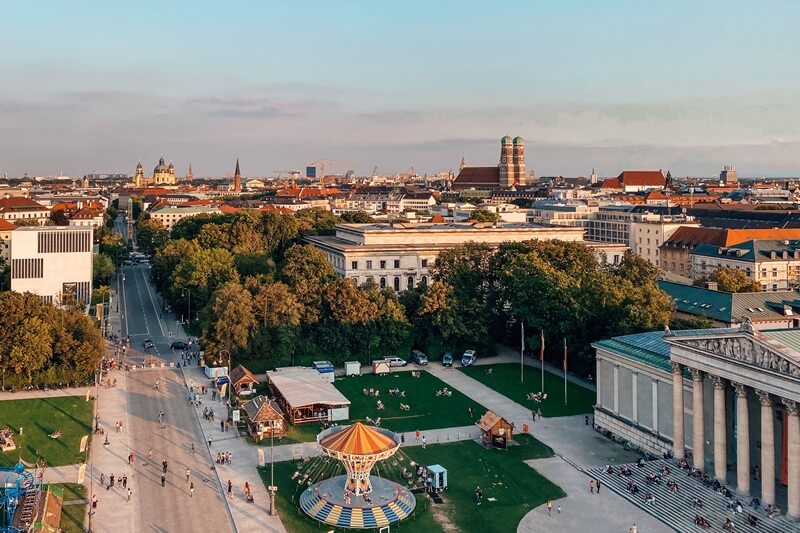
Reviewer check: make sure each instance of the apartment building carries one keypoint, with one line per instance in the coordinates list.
(6, 232)
(575, 214)
(171, 214)
(402, 255)
(18, 209)
(54, 262)
(648, 234)
(775, 265)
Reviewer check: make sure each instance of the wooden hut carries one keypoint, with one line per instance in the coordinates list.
(264, 418)
(496, 431)
(243, 381)
(306, 397)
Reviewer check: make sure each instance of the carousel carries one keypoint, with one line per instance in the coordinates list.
(357, 500)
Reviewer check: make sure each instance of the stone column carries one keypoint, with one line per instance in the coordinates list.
(767, 449)
(793, 430)
(698, 436)
(678, 433)
(742, 440)
(720, 430)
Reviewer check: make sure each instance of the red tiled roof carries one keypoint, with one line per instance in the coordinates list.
(19, 203)
(276, 209)
(301, 192)
(478, 176)
(87, 213)
(228, 210)
(611, 183)
(634, 178)
(655, 195)
(6, 225)
(730, 237)
(437, 219)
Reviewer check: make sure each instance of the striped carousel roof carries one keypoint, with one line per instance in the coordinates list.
(358, 439)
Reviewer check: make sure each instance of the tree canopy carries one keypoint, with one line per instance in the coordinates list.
(730, 280)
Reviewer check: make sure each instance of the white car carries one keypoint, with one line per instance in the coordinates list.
(395, 361)
(468, 359)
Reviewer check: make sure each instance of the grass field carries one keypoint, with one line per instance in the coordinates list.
(72, 516)
(294, 434)
(505, 379)
(71, 415)
(428, 411)
(510, 488)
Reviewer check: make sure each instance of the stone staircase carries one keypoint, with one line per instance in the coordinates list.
(677, 510)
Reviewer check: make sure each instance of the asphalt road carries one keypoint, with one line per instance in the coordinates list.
(169, 508)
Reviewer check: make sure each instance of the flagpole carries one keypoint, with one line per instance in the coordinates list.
(541, 358)
(522, 355)
(565, 371)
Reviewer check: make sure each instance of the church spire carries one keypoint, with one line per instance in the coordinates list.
(237, 178)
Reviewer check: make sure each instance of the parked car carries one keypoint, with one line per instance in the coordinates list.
(419, 357)
(396, 361)
(179, 345)
(147, 344)
(468, 359)
(447, 359)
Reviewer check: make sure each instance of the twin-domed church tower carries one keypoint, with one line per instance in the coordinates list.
(512, 161)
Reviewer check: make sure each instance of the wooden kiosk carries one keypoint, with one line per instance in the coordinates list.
(496, 431)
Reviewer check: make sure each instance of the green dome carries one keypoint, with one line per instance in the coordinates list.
(518, 140)
(506, 140)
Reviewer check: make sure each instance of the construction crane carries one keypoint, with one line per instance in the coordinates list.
(292, 175)
(375, 171)
(322, 163)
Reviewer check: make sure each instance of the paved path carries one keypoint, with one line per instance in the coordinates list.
(583, 512)
(51, 393)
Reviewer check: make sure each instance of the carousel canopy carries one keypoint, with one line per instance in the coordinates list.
(358, 439)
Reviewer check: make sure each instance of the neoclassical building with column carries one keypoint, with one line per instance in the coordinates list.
(724, 399)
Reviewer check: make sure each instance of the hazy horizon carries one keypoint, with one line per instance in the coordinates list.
(686, 87)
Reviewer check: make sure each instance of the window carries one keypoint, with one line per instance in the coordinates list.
(27, 268)
(424, 281)
(383, 265)
(424, 263)
(354, 265)
(397, 284)
(383, 283)
(369, 265)
(410, 282)
(397, 263)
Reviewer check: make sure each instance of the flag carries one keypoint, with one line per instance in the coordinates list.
(541, 348)
(523, 337)
(565, 356)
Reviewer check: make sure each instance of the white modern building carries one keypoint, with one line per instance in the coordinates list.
(402, 255)
(648, 233)
(54, 262)
(170, 215)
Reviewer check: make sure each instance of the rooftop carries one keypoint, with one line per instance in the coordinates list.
(358, 439)
(302, 386)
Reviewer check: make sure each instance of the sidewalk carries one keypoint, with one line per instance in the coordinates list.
(51, 393)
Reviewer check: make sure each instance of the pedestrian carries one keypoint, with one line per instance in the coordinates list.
(129, 458)
(226, 426)
(209, 443)
(129, 494)
(591, 486)
(191, 489)
(533, 414)
(133, 459)
(469, 409)
(559, 509)
(222, 426)
(550, 507)
(402, 438)
(124, 482)
(164, 466)
(230, 489)
(110, 482)
(94, 501)
(633, 529)
(597, 485)
(416, 435)
(188, 473)
(424, 442)
(586, 419)
(102, 479)
(163, 480)
(193, 450)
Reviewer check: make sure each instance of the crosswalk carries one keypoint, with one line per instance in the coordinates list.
(677, 509)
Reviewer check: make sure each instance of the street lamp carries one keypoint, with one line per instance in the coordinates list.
(189, 292)
(272, 487)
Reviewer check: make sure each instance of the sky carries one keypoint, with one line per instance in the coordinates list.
(91, 86)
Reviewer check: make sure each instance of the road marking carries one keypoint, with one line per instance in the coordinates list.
(150, 293)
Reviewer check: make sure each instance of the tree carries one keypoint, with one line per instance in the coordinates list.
(203, 272)
(59, 218)
(482, 215)
(277, 306)
(306, 270)
(31, 347)
(279, 231)
(356, 217)
(437, 310)
(695, 322)
(151, 235)
(233, 319)
(731, 280)
(103, 267)
(114, 246)
(166, 260)
(318, 220)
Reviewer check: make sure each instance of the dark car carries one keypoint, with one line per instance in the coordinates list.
(179, 345)
(447, 359)
(147, 344)
(419, 357)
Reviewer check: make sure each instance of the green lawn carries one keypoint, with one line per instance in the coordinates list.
(71, 415)
(294, 434)
(505, 379)
(515, 487)
(428, 411)
(72, 516)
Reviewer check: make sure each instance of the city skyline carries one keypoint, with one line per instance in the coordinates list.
(620, 85)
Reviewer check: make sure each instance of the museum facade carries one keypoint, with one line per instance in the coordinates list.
(724, 399)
